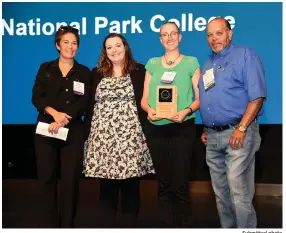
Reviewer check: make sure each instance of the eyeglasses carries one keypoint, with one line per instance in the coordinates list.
(68, 28)
(172, 34)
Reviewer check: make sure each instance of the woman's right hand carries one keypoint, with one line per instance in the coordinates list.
(152, 115)
(61, 118)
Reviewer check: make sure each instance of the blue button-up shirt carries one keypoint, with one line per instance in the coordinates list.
(239, 78)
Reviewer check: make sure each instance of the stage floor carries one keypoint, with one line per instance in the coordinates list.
(20, 201)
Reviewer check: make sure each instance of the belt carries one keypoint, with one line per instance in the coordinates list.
(225, 127)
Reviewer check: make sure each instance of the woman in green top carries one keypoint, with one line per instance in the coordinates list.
(170, 139)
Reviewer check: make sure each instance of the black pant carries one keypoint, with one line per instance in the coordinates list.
(68, 155)
(171, 149)
(130, 200)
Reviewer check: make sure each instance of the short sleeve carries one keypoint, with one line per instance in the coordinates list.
(254, 77)
(194, 66)
(149, 66)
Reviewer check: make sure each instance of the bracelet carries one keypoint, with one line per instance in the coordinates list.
(191, 110)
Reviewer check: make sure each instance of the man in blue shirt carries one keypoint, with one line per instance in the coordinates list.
(232, 91)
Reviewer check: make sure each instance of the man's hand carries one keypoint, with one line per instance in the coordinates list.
(204, 137)
(237, 138)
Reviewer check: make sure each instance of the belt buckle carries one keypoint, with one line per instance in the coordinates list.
(218, 128)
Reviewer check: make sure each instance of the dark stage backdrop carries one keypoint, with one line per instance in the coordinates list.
(19, 160)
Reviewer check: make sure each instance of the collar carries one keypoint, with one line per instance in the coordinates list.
(55, 63)
(222, 53)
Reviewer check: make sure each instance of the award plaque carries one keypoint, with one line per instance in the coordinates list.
(166, 101)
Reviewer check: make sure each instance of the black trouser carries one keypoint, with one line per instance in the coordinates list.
(171, 149)
(130, 200)
(49, 152)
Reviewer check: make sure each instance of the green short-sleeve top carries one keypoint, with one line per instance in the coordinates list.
(185, 70)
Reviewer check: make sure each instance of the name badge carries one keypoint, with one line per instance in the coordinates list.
(78, 88)
(209, 79)
(168, 77)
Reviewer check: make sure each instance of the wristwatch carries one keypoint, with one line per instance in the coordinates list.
(241, 128)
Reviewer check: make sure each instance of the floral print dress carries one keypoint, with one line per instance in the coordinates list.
(116, 147)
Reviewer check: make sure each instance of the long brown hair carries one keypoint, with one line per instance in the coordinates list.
(105, 66)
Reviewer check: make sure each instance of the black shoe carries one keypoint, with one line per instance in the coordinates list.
(128, 220)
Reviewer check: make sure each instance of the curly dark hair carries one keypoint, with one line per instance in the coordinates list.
(105, 66)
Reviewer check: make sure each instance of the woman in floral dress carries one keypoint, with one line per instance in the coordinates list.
(116, 151)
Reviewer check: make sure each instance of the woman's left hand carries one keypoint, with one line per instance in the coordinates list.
(179, 117)
(54, 127)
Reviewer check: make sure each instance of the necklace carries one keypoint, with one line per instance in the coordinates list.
(169, 63)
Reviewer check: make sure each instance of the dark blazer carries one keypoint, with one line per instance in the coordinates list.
(51, 89)
(137, 79)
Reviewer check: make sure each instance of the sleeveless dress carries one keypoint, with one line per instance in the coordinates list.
(116, 147)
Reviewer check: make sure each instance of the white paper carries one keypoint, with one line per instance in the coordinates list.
(42, 129)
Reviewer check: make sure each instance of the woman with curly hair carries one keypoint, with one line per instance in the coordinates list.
(116, 151)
